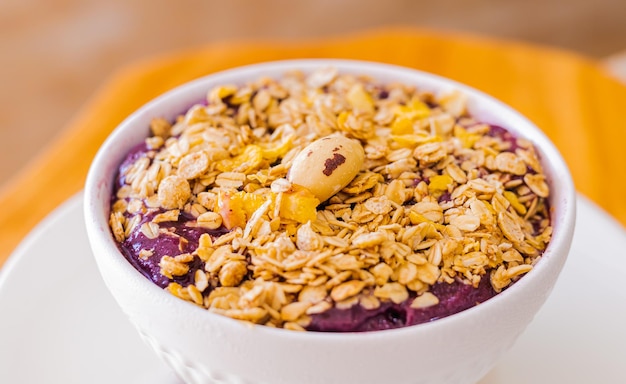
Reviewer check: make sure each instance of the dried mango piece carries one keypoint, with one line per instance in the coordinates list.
(402, 126)
(273, 151)
(467, 139)
(512, 198)
(235, 208)
(417, 218)
(414, 110)
(231, 207)
(439, 183)
(407, 115)
(299, 205)
(418, 109)
(251, 202)
(249, 160)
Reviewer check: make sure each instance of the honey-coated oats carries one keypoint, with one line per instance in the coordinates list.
(421, 194)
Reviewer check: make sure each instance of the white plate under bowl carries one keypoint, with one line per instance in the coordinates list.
(59, 324)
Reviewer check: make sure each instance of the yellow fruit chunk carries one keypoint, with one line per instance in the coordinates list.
(439, 183)
(402, 126)
(247, 161)
(407, 115)
(236, 207)
(230, 207)
(512, 198)
(273, 151)
(299, 204)
(251, 202)
(417, 218)
(467, 139)
(414, 110)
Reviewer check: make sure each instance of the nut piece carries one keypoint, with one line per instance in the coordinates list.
(170, 266)
(232, 273)
(327, 165)
(174, 191)
(160, 127)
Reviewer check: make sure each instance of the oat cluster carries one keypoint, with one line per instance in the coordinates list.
(439, 197)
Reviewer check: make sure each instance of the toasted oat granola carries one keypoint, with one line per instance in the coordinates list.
(437, 198)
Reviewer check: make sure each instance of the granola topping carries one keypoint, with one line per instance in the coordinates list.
(331, 202)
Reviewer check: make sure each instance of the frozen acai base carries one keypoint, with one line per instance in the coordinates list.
(331, 202)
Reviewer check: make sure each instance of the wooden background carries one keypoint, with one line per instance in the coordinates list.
(55, 53)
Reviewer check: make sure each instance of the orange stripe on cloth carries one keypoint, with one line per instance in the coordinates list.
(579, 106)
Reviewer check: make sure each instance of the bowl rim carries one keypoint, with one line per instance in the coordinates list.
(562, 205)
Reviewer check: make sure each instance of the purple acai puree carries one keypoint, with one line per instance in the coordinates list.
(183, 236)
(453, 298)
(504, 135)
(137, 152)
(183, 240)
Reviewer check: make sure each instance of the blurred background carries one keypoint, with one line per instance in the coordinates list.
(54, 54)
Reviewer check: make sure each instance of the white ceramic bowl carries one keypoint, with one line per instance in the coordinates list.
(207, 348)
